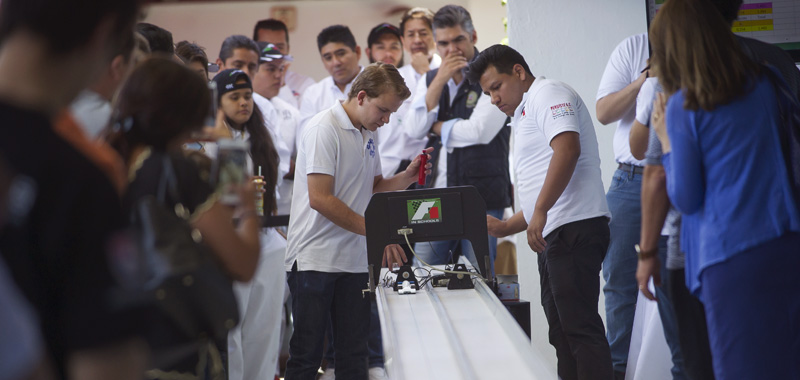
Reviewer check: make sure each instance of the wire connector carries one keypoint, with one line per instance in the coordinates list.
(405, 231)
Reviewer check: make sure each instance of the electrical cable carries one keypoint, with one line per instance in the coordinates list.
(405, 234)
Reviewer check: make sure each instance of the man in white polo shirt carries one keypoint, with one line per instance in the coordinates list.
(338, 170)
(340, 54)
(398, 148)
(563, 207)
(275, 32)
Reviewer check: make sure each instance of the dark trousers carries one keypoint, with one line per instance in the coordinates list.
(692, 329)
(753, 311)
(374, 342)
(315, 297)
(569, 271)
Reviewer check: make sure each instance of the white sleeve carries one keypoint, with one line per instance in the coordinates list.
(319, 143)
(644, 101)
(418, 120)
(617, 74)
(556, 111)
(308, 107)
(481, 127)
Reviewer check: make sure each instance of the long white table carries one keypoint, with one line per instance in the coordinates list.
(454, 334)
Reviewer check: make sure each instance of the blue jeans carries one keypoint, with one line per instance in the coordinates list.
(667, 313)
(439, 252)
(619, 266)
(316, 297)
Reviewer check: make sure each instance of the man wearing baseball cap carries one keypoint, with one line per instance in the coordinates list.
(267, 83)
(385, 44)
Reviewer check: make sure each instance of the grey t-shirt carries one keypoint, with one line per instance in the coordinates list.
(672, 224)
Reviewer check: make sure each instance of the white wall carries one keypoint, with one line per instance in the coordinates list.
(569, 40)
(209, 23)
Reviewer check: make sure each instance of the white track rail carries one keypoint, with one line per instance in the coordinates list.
(454, 334)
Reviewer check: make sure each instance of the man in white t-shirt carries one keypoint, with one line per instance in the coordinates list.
(563, 208)
(338, 170)
(416, 33)
(275, 32)
(340, 55)
(385, 44)
(267, 83)
(616, 99)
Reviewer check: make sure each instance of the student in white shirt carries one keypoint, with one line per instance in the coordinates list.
(563, 208)
(384, 44)
(242, 53)
(416, 27)
(267, 83)
(275, 32)
(338, 170)
(616, 101)
(340, 54)
(470, 135)
(254, 345)
(250, 350)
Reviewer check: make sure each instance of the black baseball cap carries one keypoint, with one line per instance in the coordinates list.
(226, 81)
(380, 30)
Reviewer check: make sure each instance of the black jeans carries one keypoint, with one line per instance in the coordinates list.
(315, 297)
(692, 329)
(569, 271)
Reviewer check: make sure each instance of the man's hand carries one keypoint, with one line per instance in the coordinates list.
(452, 65)
(535, 227)
(496, 227)
(393, 253)
(412, 171)
(649, 267)
(420, 63)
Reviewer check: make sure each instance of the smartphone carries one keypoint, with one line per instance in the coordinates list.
(229, 170)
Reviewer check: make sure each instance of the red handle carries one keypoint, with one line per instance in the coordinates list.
(423, 161)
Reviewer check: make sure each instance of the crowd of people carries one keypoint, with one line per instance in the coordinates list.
(125, 255)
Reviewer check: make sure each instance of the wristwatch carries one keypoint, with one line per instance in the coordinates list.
(645, 254)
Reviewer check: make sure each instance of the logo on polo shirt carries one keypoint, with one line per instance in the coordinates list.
(561, 110)
(371, 147)
(421, 211)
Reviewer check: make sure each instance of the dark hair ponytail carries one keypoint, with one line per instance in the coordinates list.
(264, 154)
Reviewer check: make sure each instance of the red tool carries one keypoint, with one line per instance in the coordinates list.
(423, 161)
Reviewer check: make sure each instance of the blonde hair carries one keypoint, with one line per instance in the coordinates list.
(695, 51)
(379, 78)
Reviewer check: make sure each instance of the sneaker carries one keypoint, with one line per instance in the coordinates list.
(328, 374)
(377, 373)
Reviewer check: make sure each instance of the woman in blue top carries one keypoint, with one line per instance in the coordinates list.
(726, 174)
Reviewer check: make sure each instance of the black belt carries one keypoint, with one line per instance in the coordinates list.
(631, 168)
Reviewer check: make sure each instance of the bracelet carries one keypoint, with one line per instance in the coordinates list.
(643, 255)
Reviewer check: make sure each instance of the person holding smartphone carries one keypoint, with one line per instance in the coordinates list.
(159, 107)
(254, 346)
